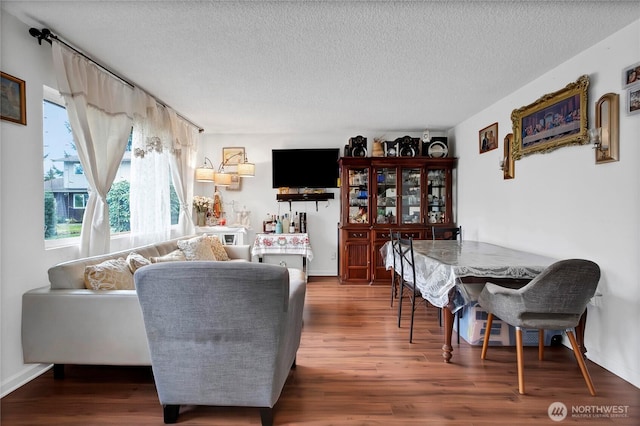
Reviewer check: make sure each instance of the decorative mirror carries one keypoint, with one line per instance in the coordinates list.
(607, 121)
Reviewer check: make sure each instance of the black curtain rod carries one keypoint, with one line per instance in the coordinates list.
(46, 35)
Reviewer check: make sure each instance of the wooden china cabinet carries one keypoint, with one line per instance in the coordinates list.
(380, 194)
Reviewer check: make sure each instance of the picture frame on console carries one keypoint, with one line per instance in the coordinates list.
(555, 120)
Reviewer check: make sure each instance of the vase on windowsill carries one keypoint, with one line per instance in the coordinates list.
(201, 218)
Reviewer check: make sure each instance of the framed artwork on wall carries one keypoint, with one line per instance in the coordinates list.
(236, 183)
(232, 156)
(488, 138)
(13, 103)
(631, 75)
(556, 119)
(633, 99)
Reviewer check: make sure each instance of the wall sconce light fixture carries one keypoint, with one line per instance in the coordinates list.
(604, 136)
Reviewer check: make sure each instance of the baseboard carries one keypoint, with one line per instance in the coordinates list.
(25, 376)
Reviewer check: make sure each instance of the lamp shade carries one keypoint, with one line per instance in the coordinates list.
(204, 174)
(246, 169)
(222, 179)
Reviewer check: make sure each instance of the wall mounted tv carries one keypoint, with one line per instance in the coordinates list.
(305, 168)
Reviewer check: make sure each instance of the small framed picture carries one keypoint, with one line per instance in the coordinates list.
(232, 156)
(236, 181)
(488, 138)
(633, 99)
(631, 75)
(13, 103)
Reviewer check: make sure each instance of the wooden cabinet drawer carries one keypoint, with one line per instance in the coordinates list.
(357, 235)
(416, 235)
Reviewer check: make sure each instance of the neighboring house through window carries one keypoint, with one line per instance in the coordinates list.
(65, 184)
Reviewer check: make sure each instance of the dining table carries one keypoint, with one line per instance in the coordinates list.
(451, 274)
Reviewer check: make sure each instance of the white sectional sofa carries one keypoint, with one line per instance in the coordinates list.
(65, 323)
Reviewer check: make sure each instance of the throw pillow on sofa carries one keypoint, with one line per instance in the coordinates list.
(218, 249)
(112, 274)
(136, 261)
(197, 248)
(175, 256)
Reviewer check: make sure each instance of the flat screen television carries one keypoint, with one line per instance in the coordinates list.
(305, 168)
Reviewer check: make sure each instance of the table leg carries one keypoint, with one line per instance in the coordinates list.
(448, 329)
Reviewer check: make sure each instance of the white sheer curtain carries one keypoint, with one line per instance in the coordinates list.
(149, 194)
(183, 165)
(100, 114)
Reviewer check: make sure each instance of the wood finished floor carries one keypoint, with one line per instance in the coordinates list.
(355, 367)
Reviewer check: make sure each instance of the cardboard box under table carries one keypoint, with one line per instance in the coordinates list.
(473, 323)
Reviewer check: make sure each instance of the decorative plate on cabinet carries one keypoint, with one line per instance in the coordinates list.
(437, 149)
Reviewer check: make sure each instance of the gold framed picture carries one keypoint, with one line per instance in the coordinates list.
(14, 107)
(488, 138)
(556, 119)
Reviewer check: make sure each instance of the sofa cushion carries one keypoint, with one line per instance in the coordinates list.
(174, 256)
(216, 246)
(112, 274)
(136, 261)
(197, 248)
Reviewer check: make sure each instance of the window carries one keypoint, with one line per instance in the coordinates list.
(79, 201)
(66, 187)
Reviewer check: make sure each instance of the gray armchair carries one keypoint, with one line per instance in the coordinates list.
(553, 300)
(220, 333)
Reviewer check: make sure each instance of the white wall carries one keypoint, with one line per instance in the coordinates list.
(24, 258)
(564, 205)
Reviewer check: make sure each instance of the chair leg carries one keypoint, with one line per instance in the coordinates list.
(540, 344)
(266, 416)
(413, 311)
(400, 297)
(171, 413)
(393, 286)
(487, 334)
(579, 358)
(520, 360)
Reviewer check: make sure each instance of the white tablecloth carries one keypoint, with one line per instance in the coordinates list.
(441, 264)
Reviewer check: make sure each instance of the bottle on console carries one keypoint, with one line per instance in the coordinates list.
(285, 223)
(303, 223)
(278, 226)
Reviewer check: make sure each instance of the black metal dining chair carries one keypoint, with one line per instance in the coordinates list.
(396, 278)
(407, 279)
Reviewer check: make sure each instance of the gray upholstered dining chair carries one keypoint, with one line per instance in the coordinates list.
(555, 299)
(446, 232)
(220, 333)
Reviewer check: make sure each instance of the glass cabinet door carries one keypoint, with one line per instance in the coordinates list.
(386, 195)
(437, 208)
(411, 190)
(358, 195)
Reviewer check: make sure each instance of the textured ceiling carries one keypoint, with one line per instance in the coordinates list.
(302, 67)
